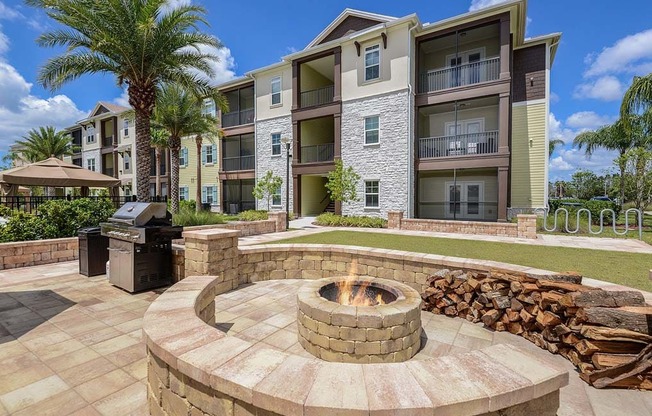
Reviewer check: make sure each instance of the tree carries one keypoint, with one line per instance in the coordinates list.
(625, 134)
(42, 143)
(143, 43)
(638, 97)
(586, 184)
(552, 145)
(267, 186)
(342, 183)
(159, 141)
(638, 162)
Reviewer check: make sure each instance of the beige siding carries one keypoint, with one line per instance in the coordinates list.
(529, 155)
(188, 174)
(264, 108)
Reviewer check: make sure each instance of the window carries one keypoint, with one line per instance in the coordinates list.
(183, 157)
(208, 107)
(127, 162)
(90, 164)
(276, 90)
(276, 197)
(371, 194)
(127, 191)
(184, 193)
(371, 130)
(276, 144)
(372, 63)
(90, 134)
(125, 126)
(209, 154)
(209, 194)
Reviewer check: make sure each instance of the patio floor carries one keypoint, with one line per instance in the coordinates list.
(71, 345)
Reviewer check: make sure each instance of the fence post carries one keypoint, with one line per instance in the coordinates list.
(394, 219)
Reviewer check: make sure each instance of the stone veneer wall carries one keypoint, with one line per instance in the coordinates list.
(526, 226)
(387, 161)
(264, 159)
(32, 253)
(193, 368)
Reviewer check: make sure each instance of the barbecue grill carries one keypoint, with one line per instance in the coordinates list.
(140, 245)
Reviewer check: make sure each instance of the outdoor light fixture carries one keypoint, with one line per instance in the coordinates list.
(286, 141)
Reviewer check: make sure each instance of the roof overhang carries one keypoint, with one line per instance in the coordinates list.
(551, 40)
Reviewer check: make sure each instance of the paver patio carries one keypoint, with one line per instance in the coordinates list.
(71, 345)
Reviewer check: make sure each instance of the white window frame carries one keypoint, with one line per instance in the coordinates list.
(125, 127)
(212, 162)
(278, 194)
(126, 162)
(280, 147)
(208, 107)
(89, 164)
(371, 194)
(464, 199)
(377, 130)
(279, 80)
(184, 193)
(90, 134)
(368, 50)
(182, 159)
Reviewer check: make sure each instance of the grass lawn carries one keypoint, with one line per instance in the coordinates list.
(608, 229)
(629, 269)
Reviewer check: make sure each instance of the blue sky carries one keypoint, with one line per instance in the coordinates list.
(604, 45)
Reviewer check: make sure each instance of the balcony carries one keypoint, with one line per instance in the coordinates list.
(317, 153)
(460, 75)
(230, 164)
(108, 171)
(107, 141)
(459, 145)
(238, 118)
(319, 96)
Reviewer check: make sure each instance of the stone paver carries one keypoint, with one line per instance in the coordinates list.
(84, 355)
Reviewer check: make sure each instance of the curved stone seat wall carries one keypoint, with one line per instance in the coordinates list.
(194, 367)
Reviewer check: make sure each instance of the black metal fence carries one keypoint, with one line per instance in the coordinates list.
(30, 204)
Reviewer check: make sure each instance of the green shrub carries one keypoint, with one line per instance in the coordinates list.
(595, 207)
(332, 220)
(22, 227)
(188, 217)
(554, 204)
(189, 205)
(252, 215)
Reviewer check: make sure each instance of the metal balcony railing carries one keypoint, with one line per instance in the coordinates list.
(238, 163)
(237, 118)
(318, 153)
(317, 97)
(460, 145)
(107, 141)
(460, 75)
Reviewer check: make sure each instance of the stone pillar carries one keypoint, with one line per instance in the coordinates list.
(394, 219)
(526, 226)
(279, 218)
(213, 252)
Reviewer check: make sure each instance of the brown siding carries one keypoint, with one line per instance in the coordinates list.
(529, 75)
(351, 23)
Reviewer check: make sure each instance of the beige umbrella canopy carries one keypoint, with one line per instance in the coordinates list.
(55, 172)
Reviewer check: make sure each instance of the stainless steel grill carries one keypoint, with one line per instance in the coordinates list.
(140, 246)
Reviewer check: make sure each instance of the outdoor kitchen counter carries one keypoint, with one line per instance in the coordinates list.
(193, 364)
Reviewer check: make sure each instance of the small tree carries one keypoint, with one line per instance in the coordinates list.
(342, 183)
(267, 186)
(638, 162)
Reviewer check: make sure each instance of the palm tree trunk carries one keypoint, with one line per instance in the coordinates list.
(157, 153)
(142, 99)
(175, 146)
(198, 141)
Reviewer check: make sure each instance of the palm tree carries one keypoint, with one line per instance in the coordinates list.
(625, 134)
(552, 145)
(141, 42)
(638, 96)
(159, 141)
(42, 143)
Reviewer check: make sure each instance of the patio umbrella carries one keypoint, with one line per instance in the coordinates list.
(55, 172)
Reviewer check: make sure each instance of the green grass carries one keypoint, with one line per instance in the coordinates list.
(629, 269)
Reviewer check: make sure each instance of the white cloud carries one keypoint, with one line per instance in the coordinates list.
(8, 13)
(4, 43)
(605, 88)
(123, 99)
(587, 120)
(558, 163)
(557, 131)
(481, 4)
(225, 67)
(631, 54)
(554, 98)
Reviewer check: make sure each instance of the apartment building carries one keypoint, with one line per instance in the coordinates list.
(105, 142)
(442, 120)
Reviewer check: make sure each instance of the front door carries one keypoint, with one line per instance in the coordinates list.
(464, 200)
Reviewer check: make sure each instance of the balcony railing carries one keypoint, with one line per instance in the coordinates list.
(238, 163)
(460, 145)
(460, 75)
(108, 171)
(317, 97)
(237, 118)
(107, 141)
(317, 153)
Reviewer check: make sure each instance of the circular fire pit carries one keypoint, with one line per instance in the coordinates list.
(359, 320)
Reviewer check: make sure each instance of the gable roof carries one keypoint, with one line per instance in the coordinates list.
(348, 21)
(105, 107)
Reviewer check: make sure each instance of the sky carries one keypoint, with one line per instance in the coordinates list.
(604, 44)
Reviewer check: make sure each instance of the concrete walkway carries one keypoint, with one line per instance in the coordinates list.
(72, 345)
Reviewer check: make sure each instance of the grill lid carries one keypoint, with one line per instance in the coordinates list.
(140, 213)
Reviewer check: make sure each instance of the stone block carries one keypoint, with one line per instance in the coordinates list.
(330, 330)
(365, 347)
(320, 340)
(390, 346)
(378, 334)
(354, 334)
(173, 404)
(160, 368)
(206, 399)
(341, 345)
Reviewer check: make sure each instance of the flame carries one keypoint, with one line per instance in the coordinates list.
(352, 292)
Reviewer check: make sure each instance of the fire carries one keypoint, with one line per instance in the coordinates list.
(351, 293)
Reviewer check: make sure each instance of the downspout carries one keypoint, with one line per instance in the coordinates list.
(411, 128)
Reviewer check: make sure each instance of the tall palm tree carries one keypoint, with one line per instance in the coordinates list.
(625, 134)
(42, 143)
(141, 42)
(638, 96)
(159, 141)
(552, 145)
